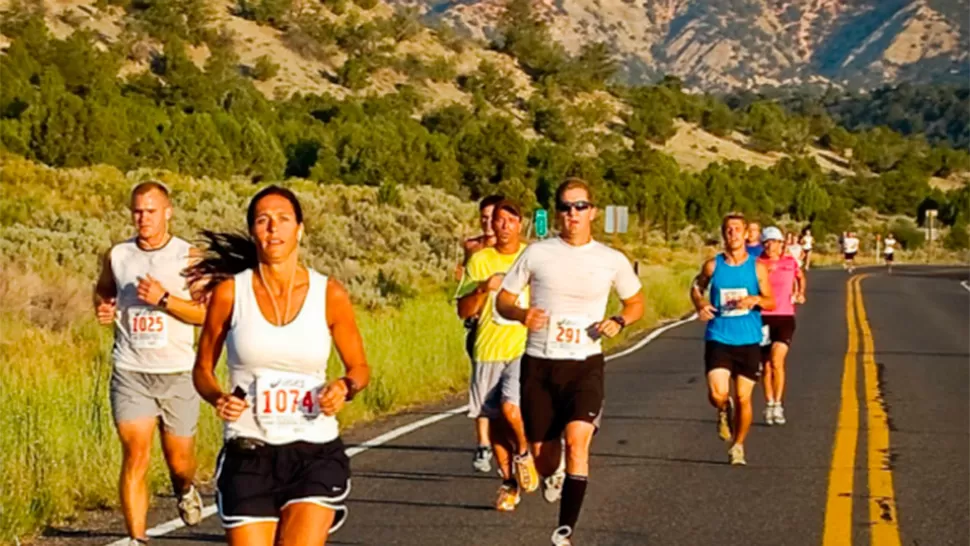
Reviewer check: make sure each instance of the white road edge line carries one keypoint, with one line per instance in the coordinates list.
(966, 285)
(176, 524)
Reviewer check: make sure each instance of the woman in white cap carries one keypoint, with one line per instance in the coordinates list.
(788, 285)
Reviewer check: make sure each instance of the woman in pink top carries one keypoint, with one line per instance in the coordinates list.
(788, 286)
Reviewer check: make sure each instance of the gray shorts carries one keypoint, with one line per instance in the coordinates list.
(493, 383)
(171, 396)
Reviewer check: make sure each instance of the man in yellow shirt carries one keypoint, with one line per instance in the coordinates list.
(499, 344)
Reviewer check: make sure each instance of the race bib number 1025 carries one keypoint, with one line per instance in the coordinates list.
(148, 327)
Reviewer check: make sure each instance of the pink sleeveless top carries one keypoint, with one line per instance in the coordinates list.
(781, 275)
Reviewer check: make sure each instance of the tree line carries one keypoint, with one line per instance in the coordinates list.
(62, 103)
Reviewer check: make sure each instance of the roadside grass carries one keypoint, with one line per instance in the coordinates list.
(61, 455)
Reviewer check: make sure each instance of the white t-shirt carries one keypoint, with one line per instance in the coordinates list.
(572, 284)
(807, 241)
(147, 338)
(890, 245)
(850, 245)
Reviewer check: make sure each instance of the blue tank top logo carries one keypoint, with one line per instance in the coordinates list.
(731, 283)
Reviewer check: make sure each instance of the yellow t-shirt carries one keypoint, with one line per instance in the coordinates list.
(498, 339)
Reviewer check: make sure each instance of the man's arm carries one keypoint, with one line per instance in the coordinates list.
(190, 311)
(471, 304)
(698, 287)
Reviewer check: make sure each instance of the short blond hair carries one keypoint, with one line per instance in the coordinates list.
(573, 183)
(733, 216)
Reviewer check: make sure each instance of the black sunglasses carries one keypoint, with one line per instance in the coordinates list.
(566, 206)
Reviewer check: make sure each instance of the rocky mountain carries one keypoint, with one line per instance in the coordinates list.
(727, 44)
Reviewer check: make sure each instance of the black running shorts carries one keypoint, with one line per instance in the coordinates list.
(743, 360)
(781, 329)
(255, 485)
(556, 392)
(850, 255)
(888, 257)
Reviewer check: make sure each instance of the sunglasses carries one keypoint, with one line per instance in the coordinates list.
(566, 206)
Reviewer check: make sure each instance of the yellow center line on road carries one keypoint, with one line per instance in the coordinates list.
(838, 503)
(882, 500)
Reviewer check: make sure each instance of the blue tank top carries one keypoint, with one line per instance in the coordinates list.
(732, 282)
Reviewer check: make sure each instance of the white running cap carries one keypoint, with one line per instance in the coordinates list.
(771, 234)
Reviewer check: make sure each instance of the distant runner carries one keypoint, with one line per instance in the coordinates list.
(788, 287)
(283, 476)
(808, 242)
(753, 243)
(482, 460)
(570, 278)
(740, 289)
(793, 248)
(889, 251)
(850, 247)
(142, 292)
(499, 344)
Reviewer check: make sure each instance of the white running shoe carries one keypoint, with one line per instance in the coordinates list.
(560, 537)
(770, 413)
(190, 506)
(780, 414)
(482, 462)
(736, 455)
(552, 486)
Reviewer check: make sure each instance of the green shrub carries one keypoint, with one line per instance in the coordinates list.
(265, 69)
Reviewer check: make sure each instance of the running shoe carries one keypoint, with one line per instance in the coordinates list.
(560, 537)
(780, 415)
(483, 459)
(736, 455)
(552, 486)
(770, 413)
(525, 472)
(190, 506)
(137, 542)
(508, 498)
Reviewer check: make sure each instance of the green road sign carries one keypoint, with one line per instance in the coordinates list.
(542, 223)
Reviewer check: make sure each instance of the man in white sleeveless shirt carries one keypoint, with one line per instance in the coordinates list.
(142, 293)
(562, 372)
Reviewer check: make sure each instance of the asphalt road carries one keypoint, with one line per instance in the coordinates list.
(659, 473)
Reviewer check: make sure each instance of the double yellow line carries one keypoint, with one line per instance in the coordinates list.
(883, 519)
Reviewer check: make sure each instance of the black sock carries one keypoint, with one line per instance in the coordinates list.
(573, 492)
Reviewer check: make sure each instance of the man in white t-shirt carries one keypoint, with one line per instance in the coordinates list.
(562, 390)
(850, 247)
(889, 251)
(142, 293)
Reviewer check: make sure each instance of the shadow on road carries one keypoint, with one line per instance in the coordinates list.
(422, 476)
(461, 506)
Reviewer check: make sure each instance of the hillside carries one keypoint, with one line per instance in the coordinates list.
(719, 44)
(360, 94)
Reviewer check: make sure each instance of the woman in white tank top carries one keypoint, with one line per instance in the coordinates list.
(283, 458)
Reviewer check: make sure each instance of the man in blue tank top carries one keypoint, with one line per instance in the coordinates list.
(739, 289)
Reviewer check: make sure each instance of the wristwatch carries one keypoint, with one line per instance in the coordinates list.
(163, 301)
(619, 320)
(352, 388)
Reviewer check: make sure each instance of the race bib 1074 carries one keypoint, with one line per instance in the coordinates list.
(147, 327)
(287, 403)
(568, 338)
